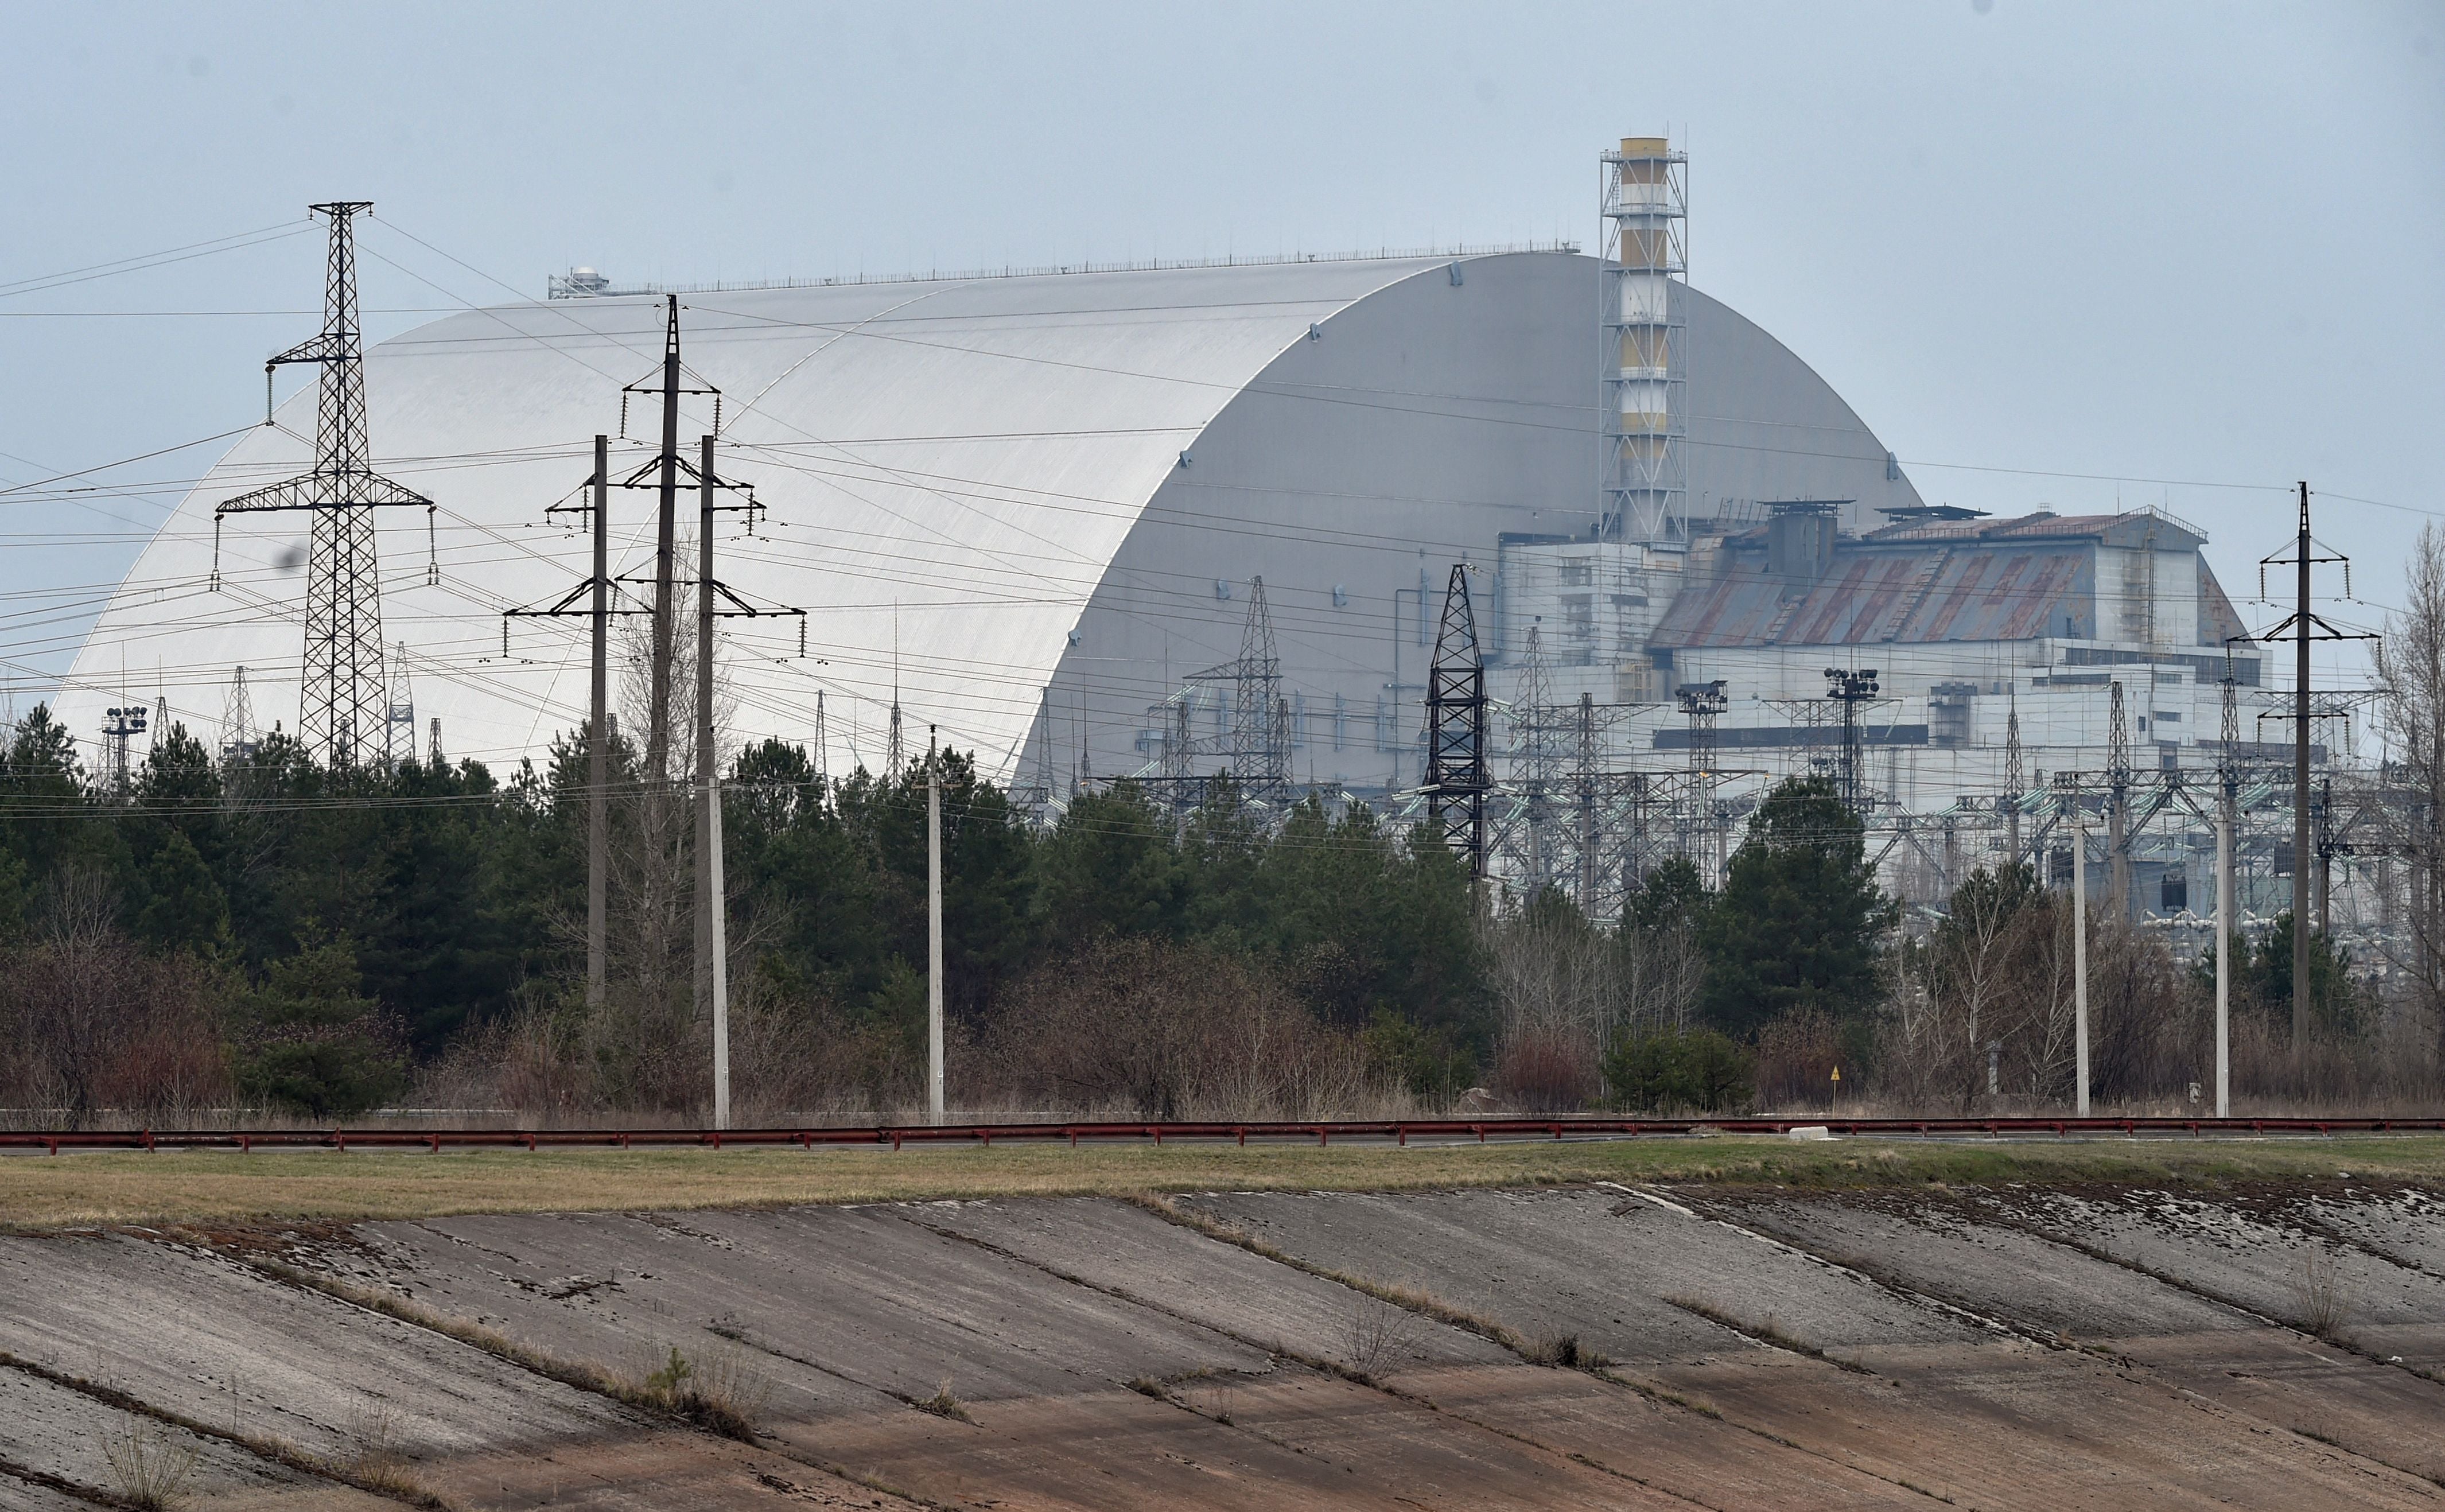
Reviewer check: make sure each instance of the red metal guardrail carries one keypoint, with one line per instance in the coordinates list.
(1400, 1131)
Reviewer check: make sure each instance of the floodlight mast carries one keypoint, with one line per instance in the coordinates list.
(1851, 687)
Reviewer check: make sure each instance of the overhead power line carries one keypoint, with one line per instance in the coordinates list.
(149, 260)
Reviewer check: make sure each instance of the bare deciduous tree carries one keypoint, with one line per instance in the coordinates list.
(1557, 982)
(2411, 667)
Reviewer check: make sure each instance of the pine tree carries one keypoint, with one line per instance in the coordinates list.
(1799, 922)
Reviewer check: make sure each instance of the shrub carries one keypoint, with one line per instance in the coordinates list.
(1796, 1057)
(1658, 1069)
(1426, 1061)
(1163, 1031)
(1545, 1068)
(314, 1046)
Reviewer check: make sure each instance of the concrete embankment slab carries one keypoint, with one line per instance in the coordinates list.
(2258, 1253)
(1510, 1415)
(1123, 1249)
(1932, 1242)
(32, 1496)
(1703, 1459)
(2406, 1226)
(1606, 1266)
(656, 1470)
(845, 1310)
(1936, 1244)
(71, 1434)
(1949, 1403)
(214, 1342)
(1737, 1348)
(1132, 1451)
(203, 1337)
(855, 1315)
(904, 1303)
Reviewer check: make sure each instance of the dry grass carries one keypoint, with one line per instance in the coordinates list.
(1376, 1334)
(47, 1194)
(1560, 1351)
(942, 1404)
(377, 1462)
(722, 1390)
(151, 1464)
(2324, 1298)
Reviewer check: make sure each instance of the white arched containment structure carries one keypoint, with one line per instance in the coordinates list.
(1058, 486)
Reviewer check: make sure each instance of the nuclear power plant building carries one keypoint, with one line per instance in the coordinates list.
(1080, 521)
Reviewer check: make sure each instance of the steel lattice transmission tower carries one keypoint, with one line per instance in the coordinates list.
(239, 738)
(1456, 776)
(398, 710)
(344, 711)
(1256, 750)
(1536, 764)
(2014, 782)
(1261, 750)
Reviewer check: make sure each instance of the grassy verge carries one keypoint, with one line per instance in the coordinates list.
(41, 1193)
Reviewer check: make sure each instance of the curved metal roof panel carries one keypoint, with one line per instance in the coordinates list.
(982, 446)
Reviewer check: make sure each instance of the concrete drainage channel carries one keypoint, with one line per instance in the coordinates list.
(1401, 1132)
(1648, 1346)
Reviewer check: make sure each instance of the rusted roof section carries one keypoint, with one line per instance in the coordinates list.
(1965, 590)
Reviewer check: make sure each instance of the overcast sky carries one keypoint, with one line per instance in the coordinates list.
(2164, 246)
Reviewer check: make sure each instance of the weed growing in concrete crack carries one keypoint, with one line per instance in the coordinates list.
(942, 1404)
(668, 1381)
(1148, 1386)
(149, 1467)
(1375, 1333)
(376, 1463)
(1553, 1348)
(721, 1390)
(2321, 1294)
(1213, 1394)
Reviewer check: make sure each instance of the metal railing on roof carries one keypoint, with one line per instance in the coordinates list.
(561, 289)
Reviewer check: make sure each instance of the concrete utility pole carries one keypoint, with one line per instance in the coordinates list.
(2117, 807)
(658, 731)
(933, 929)
(2079, 955)
(2300, 791)
(598, 741)
(721, 964)
(711, 978)
(2224, 922)
(2228, 901)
